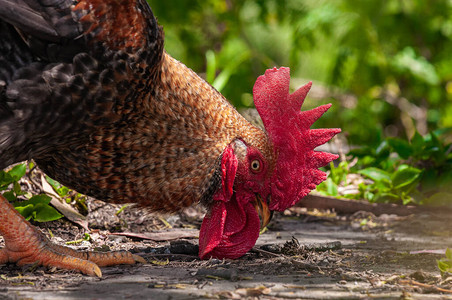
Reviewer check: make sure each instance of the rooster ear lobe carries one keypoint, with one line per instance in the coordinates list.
(229, 164)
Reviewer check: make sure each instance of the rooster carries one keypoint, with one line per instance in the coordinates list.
(88, 92)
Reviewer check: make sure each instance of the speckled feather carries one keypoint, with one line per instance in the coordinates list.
(94, 99)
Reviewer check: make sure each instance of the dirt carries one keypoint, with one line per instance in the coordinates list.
(303, 255)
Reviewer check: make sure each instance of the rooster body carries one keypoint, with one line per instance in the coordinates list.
(115, 126)
(88, 92)
(164, 154)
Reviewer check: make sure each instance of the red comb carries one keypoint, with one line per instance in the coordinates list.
(296, 170)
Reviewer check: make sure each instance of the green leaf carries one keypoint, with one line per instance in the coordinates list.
(445, 264)
(383, 150)
(435, 141)
(60, 189)
(86, 237)
(339, 173)
(367, 160)
(5, 180)
(55, 184)
(386, 197)
(417, 141)
(401, 147)
(383, 185)
(369, 196)
(17, 189)
(222, 79)
(404, 176)
(36, 199)
(10, 196)
(442, 266)
(63, 191)
(26, 210)
(406, 199)
(375, 174)
(17, 172)
(38, 208)
(46, 213)
(331, 187)
(211, 66)
(327, 187)
(449, 254)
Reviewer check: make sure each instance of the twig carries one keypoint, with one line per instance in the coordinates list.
(257, 250)
(424, 285)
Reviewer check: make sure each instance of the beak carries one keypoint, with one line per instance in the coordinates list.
(262, 209)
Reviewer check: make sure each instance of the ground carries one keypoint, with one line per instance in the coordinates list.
(303, 255)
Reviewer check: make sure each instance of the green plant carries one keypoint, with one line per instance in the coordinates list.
(418, 171)
(36, 207)
(445, 264)
(60, 189)
(68, 195)
(9, 180)
(337, 176)
(387, 187)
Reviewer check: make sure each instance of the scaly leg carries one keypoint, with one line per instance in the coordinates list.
(24, 244)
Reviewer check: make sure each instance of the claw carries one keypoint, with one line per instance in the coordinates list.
(24, 244)
(139, 259)
(97, 271)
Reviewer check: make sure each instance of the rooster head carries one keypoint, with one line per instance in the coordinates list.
(267, 174)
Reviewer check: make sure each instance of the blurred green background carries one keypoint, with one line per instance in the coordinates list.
(385, 65)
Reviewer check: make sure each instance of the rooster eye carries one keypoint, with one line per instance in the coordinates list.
(255, 165)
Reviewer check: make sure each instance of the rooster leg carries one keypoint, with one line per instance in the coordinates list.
(24, 244)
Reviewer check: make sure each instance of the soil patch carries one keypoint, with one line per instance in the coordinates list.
(303, 255)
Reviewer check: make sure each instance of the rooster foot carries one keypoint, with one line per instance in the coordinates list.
(25, 244)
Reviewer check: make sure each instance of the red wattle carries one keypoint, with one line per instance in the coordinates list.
(230, 230)
(212, 229)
